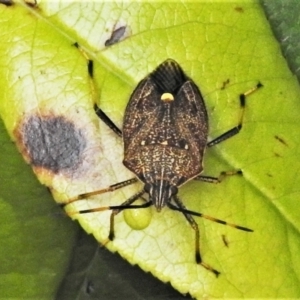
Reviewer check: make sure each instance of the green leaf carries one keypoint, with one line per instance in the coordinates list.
(283, 17)
(35, 243)
(45, 77)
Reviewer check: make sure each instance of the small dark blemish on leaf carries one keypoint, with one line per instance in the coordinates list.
(225, 241)
(52, 142)
(239, 9)
(89, 289)
(116, 36)
(269, 175)
(277, 155)
(281, 140)
(225, 83)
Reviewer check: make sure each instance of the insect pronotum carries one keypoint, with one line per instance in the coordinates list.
(165, 130)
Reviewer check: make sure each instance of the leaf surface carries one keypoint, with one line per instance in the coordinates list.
(45, 77)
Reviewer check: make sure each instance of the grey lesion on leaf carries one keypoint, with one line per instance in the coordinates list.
(118, 31)
(116, 36)
(51, 142)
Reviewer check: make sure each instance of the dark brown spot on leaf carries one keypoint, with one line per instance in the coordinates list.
(281, 140)
(225, 83)
(225, 241)
(239, 9)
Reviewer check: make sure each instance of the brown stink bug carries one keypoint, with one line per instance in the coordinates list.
(165, 132)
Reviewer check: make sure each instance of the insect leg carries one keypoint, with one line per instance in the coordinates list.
(106, 120)
(220, 178)
(115, 210)
(125, 205)
(110, 188)
(194, 225)
(235, 130)
(100, 113)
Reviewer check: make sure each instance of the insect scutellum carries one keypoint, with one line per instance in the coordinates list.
(165, 130)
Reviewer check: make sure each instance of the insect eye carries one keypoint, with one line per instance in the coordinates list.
(147, 187)
(183, 144)
(174, 190)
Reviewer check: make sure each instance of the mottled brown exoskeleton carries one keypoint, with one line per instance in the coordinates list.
(165, 132)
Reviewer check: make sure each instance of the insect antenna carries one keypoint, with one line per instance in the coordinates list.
(115, 207)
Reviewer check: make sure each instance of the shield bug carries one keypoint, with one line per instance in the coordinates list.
(165, 131)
